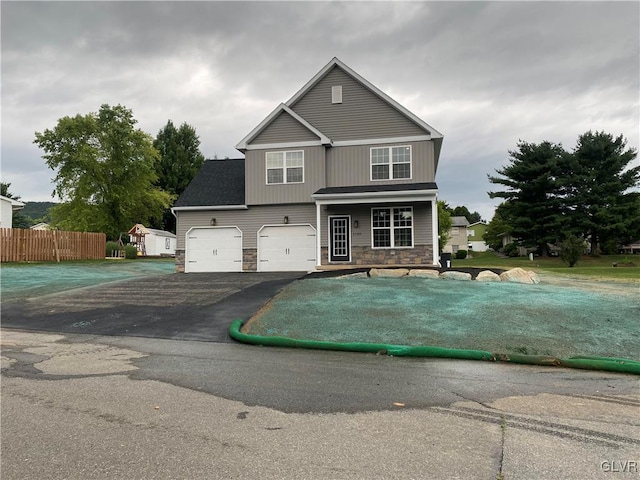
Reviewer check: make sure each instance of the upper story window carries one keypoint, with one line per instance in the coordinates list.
(391, 163)
(285, 167)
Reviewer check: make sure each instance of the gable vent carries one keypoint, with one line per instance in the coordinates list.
(336, 94)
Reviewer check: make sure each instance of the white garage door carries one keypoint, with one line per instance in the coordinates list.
(286, 248)
(213, 249)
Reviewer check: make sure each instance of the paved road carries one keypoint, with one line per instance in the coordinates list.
(83, 407)
(101, 399)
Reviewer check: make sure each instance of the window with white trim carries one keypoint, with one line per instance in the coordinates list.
(392, 227)
(285, 167)
(391, 163)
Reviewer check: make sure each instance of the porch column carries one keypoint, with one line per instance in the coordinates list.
(318, 236)
(434, 231)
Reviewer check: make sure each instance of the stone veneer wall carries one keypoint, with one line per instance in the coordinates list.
(249, 259)
(419, 255)
(179, 261)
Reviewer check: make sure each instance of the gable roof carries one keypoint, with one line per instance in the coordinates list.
(459, 222)
(242, 144)
(371, 87)
(15, 204)
(435, 135)
(218, 182)
(141, 229)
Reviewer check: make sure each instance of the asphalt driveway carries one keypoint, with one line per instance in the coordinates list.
(195, 306)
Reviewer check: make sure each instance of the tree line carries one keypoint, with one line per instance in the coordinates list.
(110, 175)
(553, 195)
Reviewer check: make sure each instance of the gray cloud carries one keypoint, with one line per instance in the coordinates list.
(484, 73)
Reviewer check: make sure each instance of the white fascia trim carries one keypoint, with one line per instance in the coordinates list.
(288, 145)
(375, 90)
(323, 138)
(209, 207)
(243, 144)
(375, 197)
(381, 141)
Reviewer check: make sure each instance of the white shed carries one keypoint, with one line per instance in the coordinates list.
(7, 207)
(152, 242)
(41, 226)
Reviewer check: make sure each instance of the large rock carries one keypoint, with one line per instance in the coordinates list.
(519, 275)
(455, 275)
(388, 272)
(424, 273)
(488, 276)
(354, 275)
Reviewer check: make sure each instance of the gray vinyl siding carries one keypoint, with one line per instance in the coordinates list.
(362, 236)
(257, 192)
(249, 221)
(284, 128)
(352, 165)
(361, 114)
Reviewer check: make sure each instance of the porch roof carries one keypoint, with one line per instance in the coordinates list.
(415, 192)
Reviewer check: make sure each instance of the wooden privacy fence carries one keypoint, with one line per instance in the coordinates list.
(20, 245)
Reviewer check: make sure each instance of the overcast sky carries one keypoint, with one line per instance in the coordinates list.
(484, 74)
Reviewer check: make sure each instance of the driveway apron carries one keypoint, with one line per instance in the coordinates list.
(195, 306)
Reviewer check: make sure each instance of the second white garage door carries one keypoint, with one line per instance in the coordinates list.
(286, 248)
(213, 249)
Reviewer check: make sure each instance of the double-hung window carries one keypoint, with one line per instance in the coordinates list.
(392, 227)
(285, 167)
(391, 163)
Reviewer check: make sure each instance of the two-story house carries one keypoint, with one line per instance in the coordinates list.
(475, 232)
(340, 174)
(458, 239)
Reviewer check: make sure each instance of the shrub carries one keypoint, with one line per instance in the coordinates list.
(571, 250)
(461, 254)
(112, 249)
(130, 252)
(511, 249)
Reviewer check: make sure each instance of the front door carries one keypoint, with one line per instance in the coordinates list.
(340, 239)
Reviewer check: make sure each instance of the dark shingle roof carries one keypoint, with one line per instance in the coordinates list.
(378, 188)
(218, 182)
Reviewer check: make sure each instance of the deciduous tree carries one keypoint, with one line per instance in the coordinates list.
(444, 223)
(496, 228)
(105, 172)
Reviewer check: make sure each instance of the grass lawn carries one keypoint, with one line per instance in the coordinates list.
(23, 280)
(592, 267)
(502, 318)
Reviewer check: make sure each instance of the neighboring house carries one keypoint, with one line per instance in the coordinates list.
(475, 231)
(457, 235)
(633, 247)
(152, 242)
(41, 226)
(340, 174)
(7, 207)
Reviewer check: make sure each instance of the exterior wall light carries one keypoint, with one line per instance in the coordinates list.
(213, 222)
(285, 219)
(355, 224)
